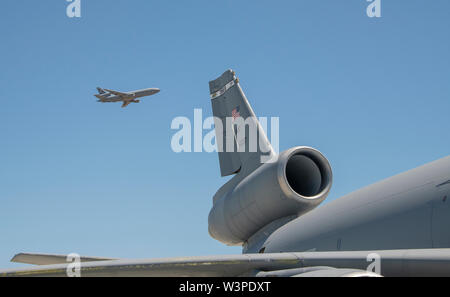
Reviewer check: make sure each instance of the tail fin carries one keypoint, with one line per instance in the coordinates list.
(100, 90)
(241, 140)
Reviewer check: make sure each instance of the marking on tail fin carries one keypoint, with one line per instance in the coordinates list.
(235, 113)
(224, 89)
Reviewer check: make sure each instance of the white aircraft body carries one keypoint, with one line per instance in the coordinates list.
(106, 95)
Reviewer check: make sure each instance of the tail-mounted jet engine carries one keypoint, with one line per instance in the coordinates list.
(296, 183)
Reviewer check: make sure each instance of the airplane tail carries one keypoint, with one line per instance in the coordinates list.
(268, 189)
(241, 140)
(100, 90)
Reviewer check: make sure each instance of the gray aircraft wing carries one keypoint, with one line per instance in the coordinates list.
(49, 259)
(418, 262)
(117, 93)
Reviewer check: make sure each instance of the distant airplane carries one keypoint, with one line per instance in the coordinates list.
(106, 95)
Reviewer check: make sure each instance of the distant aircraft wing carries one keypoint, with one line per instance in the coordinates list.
(118, 93)
(425, 262)
(125, 103)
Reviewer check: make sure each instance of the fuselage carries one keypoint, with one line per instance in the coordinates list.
(129, 96)
(144, 92)
(407, 211)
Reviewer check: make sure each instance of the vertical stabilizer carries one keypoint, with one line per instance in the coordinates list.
(100, 90)
(241, 140)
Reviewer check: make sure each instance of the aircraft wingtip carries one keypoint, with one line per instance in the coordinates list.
(15, 257)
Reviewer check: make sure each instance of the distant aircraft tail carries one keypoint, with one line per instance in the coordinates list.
(100, 90)
(237, 144)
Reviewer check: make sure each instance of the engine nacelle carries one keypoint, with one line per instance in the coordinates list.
(296, 183)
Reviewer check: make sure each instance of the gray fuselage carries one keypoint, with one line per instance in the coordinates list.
(407, 211)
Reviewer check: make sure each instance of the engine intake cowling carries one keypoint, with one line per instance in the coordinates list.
(296, 183)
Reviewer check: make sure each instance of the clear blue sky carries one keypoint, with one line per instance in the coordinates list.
(79, 176)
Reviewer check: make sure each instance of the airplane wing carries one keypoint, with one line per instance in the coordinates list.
(118, 93)
(419, 262)
(48, 259)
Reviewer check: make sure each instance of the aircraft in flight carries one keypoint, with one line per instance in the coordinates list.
(397, 227)
(106, 95)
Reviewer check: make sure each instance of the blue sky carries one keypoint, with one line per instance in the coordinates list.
(79, 176)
